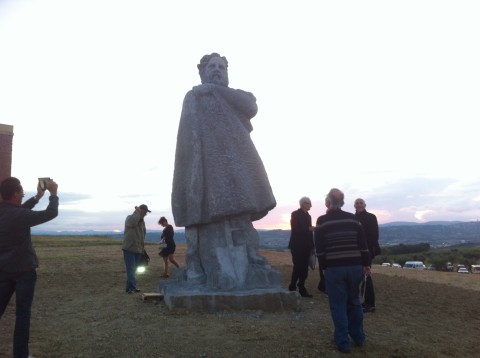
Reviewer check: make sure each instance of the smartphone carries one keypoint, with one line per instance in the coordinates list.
(43, 182)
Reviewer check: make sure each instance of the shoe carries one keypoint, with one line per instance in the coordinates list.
(344, 350)
(321, 287)
(304, 293)
(368, 309)
(136, 290)
(130, 291)
(360, 345)
(292, 288)
(165, 276)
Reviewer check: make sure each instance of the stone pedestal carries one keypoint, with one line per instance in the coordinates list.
(224, 271)
(6, 139)
(198, 298)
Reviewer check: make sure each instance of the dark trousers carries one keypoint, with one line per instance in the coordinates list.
(23, 284)
(321, 284)
(369, 299)
(300, 269)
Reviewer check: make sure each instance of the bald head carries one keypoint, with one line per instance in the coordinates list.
(359, 205)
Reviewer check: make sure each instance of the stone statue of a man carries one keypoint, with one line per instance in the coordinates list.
(220, 184)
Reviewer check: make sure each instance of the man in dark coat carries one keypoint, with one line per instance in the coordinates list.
(370, 226)
(301, 245)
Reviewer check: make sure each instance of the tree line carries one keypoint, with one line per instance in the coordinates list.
(438, 258)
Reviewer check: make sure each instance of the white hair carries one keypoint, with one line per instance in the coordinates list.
(304, 199)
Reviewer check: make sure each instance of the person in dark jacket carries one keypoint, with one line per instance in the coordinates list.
(18, 259)
(301, 245)
(343, 253)
(167, 252)
(370, 226)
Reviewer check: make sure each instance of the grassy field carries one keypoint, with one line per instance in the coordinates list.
(81, 310)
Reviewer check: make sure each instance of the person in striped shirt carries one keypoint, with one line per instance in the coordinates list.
(343, 254)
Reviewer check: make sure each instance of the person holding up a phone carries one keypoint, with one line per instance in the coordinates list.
(18, 260)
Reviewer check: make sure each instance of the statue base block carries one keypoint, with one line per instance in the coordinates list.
(267, 299)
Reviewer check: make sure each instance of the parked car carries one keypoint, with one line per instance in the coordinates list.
(463, 270)
(461, 267)
(418, 265)
(475, 268)
(395, 265)
(386, 264)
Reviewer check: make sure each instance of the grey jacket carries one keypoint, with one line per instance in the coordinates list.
(134, 234)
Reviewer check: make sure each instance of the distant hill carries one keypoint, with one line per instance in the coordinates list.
(436, 233)
(409, 223)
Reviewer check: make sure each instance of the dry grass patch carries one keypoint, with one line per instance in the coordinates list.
(81, 310)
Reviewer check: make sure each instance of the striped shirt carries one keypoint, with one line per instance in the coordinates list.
(340, 240)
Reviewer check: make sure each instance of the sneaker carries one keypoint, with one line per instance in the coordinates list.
(292, 288)
(130, 291)
(136, 290)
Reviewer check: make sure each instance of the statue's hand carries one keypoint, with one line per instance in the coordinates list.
(203, 89)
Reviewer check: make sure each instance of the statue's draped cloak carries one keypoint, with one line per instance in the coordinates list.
(218, 172)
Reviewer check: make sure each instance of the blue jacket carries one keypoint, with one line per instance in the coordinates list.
(16, 249)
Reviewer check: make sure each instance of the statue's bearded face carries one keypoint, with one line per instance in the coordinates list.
(216, 72)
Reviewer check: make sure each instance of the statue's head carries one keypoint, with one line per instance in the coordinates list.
(213, 68)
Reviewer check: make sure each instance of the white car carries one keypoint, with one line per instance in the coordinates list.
(417, 265)
(396, 265)
(463, 270)
(386, 264)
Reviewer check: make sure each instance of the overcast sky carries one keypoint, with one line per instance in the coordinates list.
(377, 98)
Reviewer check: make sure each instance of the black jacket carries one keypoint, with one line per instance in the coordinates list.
(301, 238)
(16, 249)
(370, 226)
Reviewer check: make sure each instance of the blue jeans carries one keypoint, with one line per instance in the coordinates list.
(342, 285)
(23, 283)
(131, 262)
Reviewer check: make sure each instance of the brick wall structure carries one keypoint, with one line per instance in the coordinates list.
(6, 140)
